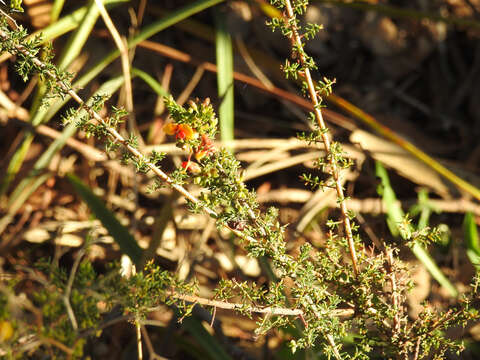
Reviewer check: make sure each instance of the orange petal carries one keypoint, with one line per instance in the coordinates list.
(187, 131)
(170, 128)
(200, 154)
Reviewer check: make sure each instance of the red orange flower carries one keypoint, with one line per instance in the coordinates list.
(181, 131)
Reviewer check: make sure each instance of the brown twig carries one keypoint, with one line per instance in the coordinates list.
(236, 306)
(57, 344)
(151, 351)
(331, 341)
(417, 349)
(122, 46)
(213, 316)
(139, 339)
(253, 309)
(395, 294)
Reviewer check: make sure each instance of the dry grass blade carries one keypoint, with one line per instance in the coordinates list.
(122, 46)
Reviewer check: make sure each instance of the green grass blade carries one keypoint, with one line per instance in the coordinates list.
(79, 37)
(61, 26)
(56, 9)
(395, 217)
(29, 184)
(16, 162)
(150, 81)
(430, 264)
(21, 198)
(71, 50)
(149, 31)
(172, 19)
(395, 213)
(470, 232)
(120, 234)
(224, 52)
(425, 209)
(206, 341)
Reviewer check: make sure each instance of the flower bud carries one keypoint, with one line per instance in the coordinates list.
(181, 131)
(193, 105)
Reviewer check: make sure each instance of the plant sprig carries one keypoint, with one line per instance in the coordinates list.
(301, 68)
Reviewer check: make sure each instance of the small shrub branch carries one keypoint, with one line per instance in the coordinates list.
(314, 98)
(117, 137)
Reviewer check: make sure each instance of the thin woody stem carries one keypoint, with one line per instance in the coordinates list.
(253, 309)
(395, 295)
(295, 37)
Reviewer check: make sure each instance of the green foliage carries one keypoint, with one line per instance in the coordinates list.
(154, 286)
(16, 5)
(416, 238)
(49, 299)
(90, 297)
(17, 42)
(52, 325)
